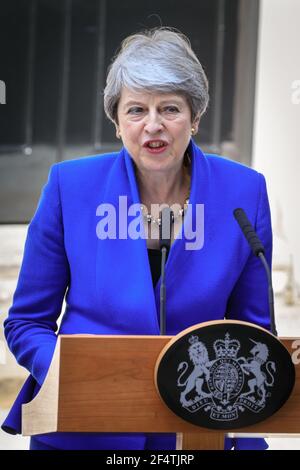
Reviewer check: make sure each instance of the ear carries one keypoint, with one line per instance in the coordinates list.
(195, 123)
(118, 135)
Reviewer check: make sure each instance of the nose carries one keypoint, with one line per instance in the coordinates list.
(153, 123)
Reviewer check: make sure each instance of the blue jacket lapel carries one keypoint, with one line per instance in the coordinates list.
(123, 266)
(124, 283)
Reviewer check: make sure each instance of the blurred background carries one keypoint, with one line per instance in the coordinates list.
(54, 56)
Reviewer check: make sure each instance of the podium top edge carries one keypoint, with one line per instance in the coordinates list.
(74, 336)
(80, 335)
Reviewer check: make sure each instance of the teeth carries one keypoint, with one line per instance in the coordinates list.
(156, 144)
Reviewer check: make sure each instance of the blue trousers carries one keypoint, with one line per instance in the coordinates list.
(238, 444)
(38, 445)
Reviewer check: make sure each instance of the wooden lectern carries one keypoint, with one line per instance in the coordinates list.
(106, 384)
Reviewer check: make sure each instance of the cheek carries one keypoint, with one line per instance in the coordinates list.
(132, 131)
(182, 134)
(182, 126)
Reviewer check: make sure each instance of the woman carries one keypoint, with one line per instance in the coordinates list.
(155, 95)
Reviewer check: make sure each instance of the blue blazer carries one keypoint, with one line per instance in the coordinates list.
(108, 283)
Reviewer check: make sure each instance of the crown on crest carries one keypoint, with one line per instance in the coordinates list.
(227, 348)
(193, 339)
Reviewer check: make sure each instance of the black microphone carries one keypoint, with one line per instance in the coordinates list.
(259, 251)
(166, 216)
(249, 232)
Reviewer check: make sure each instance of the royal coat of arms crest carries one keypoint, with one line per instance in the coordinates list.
(226, 384)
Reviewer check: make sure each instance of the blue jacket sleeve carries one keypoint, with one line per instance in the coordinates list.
(43, 279)
(249, 298)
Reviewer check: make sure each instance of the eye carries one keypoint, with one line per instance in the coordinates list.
(171, 109)
(135, 110)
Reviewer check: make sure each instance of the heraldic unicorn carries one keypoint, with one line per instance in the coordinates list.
(226, 384)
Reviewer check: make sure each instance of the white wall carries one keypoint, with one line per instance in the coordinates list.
(276, 149)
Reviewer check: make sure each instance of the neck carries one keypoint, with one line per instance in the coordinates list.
(164, 188)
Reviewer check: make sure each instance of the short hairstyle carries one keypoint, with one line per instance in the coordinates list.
(159, 60)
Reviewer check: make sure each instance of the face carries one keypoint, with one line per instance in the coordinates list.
(155, 128)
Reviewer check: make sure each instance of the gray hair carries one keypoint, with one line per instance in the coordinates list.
(160, 61)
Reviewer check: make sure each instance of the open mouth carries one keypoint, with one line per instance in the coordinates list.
(155, 145)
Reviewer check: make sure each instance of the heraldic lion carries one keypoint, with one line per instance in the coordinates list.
(199, 356)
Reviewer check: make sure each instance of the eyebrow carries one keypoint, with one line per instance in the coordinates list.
(133, 102)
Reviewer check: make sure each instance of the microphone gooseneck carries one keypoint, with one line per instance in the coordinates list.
(164, 244)
(259, 251)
